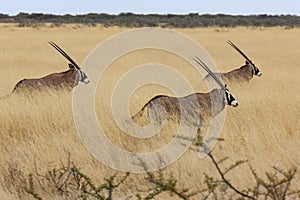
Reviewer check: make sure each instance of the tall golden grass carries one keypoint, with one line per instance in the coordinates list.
(264, 129)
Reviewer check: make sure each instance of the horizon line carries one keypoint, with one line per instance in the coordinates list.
(161, 14)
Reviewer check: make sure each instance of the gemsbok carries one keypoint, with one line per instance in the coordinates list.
(63, 80)
(194, 106)
(244, 74)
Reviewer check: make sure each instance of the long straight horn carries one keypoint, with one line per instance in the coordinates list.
(64, 54)
(203, 65)
(238, 50)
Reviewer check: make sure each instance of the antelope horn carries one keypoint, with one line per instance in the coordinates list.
(238, 50)
(64, 54)
(204, 66)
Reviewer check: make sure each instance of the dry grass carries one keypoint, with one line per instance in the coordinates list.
(264, 129)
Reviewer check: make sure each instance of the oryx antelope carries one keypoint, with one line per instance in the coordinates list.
(63, 80)
(244, 74)
(194, 106)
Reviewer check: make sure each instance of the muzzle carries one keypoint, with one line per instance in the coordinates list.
(234, 103)
(259, 74)
(86, 81)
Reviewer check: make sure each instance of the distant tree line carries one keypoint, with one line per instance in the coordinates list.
(154, 20)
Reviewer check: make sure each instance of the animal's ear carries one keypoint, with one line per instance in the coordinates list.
(71, 66)
(225, 85)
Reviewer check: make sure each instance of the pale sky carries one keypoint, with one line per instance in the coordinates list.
(13, 7)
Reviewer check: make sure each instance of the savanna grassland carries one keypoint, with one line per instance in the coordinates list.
(38, 132)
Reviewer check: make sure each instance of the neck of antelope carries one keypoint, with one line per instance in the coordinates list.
(246, 72)
(218, 100)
